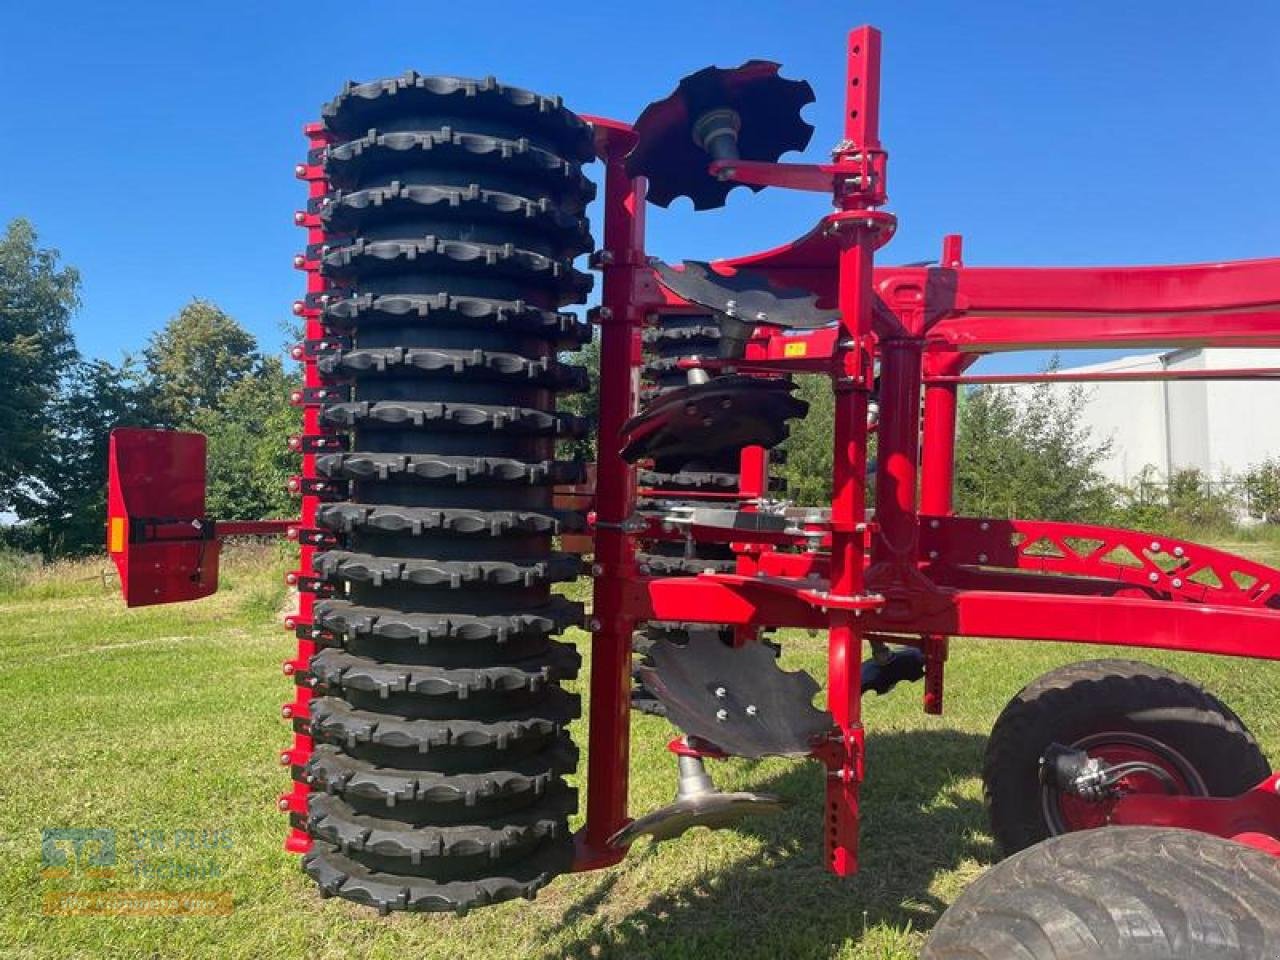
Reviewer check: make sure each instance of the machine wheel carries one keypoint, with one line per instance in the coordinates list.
(1120, 893)
(440, 724)
(1118, 711)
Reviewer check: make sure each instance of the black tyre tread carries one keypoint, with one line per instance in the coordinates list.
(419, 521)
(431, 629)
(360, 104)
(664, 566)
(665, 335)
(1118, 893)
(665, 366)
(1080, 698)
(336, 671)
(362, 257)
(346, 162)
(444, 309)
(344, 565)
(472, 364)
(436, 468)
(364, 837)
(333, 720)
(414, 794)
(440, 726)
(687, 480)
(341, 876)
(348, 210)
(442, 415)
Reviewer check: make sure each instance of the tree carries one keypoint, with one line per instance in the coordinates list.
(63, 507)
(249, 462)
(198, 356)
(1262, 488)
(37, 299)
(584, 404)
(1029, 455)
(810, 444)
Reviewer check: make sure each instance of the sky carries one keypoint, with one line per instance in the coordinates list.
(153, 144)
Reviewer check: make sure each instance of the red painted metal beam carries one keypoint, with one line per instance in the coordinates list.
(999, 614)
(1252, 818)
(1111, 376)
(620, 316)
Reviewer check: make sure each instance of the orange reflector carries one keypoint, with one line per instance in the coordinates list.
(115, 535)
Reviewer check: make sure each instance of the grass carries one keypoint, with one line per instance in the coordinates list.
(160, 720)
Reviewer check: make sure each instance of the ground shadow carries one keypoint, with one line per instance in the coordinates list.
(781, 902)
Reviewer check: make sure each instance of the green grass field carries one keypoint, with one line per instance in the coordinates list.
(163, 720)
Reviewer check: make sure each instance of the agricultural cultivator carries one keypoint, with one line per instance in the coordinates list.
(431, 748)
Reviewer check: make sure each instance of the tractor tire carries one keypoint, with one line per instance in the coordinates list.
(454, 215)
(1119, 893)
(1119, 710)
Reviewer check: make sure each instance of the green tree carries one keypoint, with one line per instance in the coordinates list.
(198, 356)
(584, 404)
(37, 299)
(249, 462)
(1262, 488)
(63, 507)
(1030, 454)
(810, 444)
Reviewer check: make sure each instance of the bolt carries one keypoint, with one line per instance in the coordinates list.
(288, 668)
(605, 313)
(935, 524)
(594, 624)
(982, 558)
(751, 710)
(1153, 577)
(596, 569)
(762, 316)
(1177, 583)
(722, 715)
(1178, 551)
(1155, 546)
(282, 805)
(286, 711)
(285, 759)
(300, 170)
(933, 554)
(720, 692)
(984, 525)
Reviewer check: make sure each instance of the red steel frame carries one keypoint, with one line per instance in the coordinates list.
(917, 573)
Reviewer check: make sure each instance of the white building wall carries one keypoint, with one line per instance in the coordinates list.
(1220, 427)
(1244, 415)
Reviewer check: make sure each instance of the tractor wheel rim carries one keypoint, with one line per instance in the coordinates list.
(1065, 813)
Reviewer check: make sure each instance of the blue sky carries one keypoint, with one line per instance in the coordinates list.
(153, 143)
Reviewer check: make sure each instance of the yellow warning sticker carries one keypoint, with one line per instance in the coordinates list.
(797, 348)
(115, 535)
